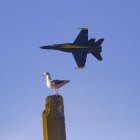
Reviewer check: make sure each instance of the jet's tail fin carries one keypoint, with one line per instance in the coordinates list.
(98, 49)
(97, 55)
(91, 42)
(94, 43)
(99, 42)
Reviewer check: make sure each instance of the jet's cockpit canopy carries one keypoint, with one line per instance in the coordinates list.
(55, 45)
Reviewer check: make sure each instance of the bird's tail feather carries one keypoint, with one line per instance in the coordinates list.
(67, 81)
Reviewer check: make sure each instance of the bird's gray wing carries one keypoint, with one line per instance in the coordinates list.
(56, 82)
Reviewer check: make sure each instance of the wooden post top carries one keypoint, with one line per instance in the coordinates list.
(54, 106)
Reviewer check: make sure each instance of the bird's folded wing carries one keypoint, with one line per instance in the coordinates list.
(56, 82)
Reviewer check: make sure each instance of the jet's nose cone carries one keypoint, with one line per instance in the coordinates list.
(43, 47)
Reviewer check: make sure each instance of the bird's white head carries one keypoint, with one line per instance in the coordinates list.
(45, 74)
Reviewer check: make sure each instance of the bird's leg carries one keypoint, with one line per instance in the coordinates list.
(56, 92)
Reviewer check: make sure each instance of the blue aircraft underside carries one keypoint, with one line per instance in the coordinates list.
(80, 47)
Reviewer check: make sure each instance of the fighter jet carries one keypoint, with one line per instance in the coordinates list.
(80, 47)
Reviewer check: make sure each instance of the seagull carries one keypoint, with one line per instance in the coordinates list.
(54, 84)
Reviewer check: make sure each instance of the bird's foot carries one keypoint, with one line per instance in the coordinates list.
(57, 94)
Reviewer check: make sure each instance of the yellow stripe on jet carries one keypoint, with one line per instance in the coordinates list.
(83, 28)
(73, 47)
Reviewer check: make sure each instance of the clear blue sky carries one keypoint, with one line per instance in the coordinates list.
(102, 102)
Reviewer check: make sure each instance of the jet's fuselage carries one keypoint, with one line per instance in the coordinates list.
(80, 47)
(70, 47)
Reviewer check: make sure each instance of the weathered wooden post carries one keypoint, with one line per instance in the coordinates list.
(54, 119)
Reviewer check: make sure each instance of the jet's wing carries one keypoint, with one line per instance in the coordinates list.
(97, 55)
(80, 58)
(82, 38)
